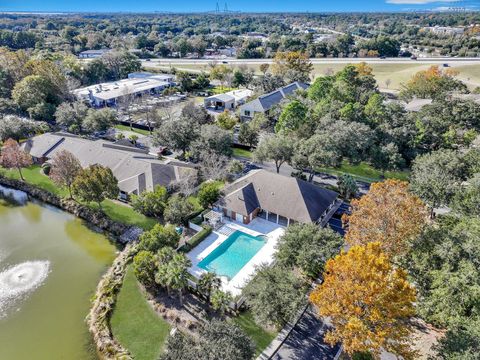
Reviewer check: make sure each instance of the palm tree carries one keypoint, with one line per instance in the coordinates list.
(207, 283)
(221, 301)
(164, 257)
(177, 274)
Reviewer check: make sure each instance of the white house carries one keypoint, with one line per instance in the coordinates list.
(229, 100)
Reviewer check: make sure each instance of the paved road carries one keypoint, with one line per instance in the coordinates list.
(434, 60)
(305, 342)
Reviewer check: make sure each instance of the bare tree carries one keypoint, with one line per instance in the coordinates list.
(125, 102)
(188, 184)
(213, 165)
(65, 168)
(329, 71)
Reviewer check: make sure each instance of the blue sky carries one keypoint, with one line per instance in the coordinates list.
(242, 5)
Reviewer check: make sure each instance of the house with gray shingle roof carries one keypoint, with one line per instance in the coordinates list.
(265, 102)
(134, 168)
(277, 198)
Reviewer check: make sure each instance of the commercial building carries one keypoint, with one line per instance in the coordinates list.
(108, 93)
(93, 54)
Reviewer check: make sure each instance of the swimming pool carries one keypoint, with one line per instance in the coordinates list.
(233, 254)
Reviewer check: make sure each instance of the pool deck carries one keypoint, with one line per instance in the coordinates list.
(257, 226)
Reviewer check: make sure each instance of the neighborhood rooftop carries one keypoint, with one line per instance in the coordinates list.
(265, 102)
(134, 168)
(288, 197)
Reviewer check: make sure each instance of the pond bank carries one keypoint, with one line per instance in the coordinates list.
(103, 304)
(98, 319)
(93, 217)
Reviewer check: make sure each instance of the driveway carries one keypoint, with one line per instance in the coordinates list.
(305, 342)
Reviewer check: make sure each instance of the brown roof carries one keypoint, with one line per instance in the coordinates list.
(286, 196)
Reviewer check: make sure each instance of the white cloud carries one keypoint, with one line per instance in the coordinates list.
(419, 2)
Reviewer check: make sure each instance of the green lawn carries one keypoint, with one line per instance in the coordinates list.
(135, 324)
(260, 336)
(116, 211)
(365, 172)
(34, 175)
(221, 89)
(196, 204)
(237, 152)
(125, 214)
(135, 130)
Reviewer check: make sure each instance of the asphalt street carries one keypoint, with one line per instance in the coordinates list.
(306, 341)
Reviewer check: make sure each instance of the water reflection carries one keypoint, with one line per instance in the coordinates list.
(91, 242)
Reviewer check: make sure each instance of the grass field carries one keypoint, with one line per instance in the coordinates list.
(116, 211)
(237, 152)
(364, 172)
(135, 324)
(260, 336)
(221, 89)
(396, 73)
(125, 214)
(135, 130)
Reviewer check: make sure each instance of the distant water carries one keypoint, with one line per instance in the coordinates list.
(50, 264)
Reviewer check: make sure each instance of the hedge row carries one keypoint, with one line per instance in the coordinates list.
(198, 237)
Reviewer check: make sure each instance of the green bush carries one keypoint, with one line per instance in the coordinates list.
(199, 237)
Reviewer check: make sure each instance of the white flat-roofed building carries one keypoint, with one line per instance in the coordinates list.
(92, 54)
(229, 100)
(108, 93)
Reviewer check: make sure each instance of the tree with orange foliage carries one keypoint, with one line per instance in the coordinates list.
(13, 157)
(432, 83)
(292, 66)
(389, 214)
(369, 302)
(364, 69)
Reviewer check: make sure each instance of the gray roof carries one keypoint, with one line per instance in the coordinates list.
(417, 104)
(221, 97)
(286, 196)
(267, 101)
(134, 169)
(100, 51)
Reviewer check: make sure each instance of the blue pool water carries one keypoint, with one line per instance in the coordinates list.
(232, 255)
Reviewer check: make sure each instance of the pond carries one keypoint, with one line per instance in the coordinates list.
(50, 264)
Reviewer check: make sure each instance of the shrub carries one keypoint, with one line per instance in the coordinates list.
(144, 267)
(199, 237)
(159, 237)
(208, 194)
